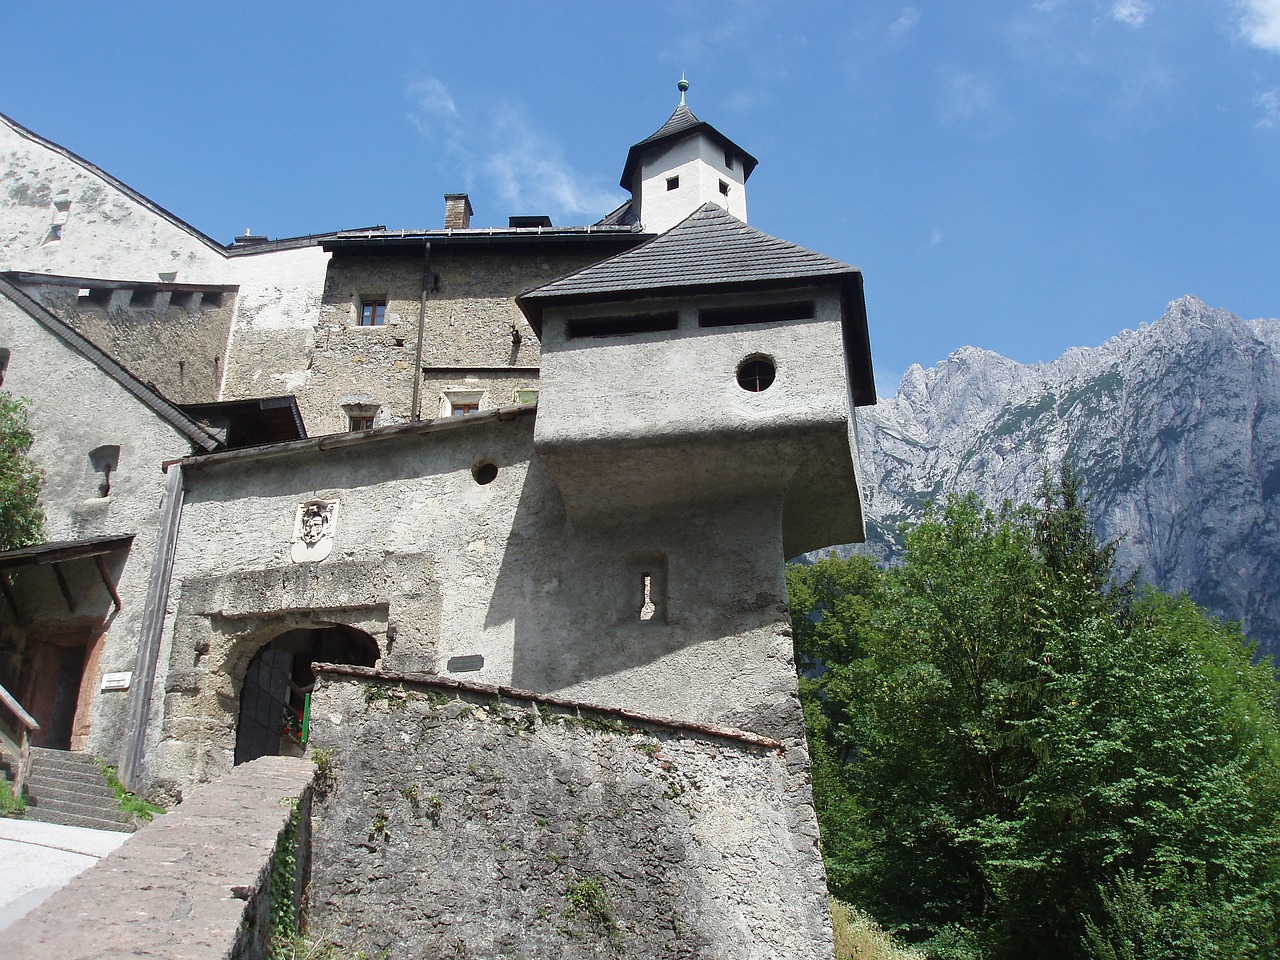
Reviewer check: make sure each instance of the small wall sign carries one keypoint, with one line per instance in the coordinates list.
(117, 681)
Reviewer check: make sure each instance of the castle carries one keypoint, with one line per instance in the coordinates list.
(563, 460)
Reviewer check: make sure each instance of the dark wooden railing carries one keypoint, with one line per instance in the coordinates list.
(27, 724)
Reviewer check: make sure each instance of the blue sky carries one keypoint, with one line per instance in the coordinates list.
(1021, 176)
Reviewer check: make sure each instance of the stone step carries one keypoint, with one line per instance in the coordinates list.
(50, 791)
(78, 820)
(78, 807)
(69, 788)
(67, 775)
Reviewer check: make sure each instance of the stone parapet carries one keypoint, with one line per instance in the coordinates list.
(194, 884)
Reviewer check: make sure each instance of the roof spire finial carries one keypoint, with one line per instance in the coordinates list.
(682, 86)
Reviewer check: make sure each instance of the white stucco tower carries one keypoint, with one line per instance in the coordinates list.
(683, 165)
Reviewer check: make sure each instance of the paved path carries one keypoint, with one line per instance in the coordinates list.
(37, 859)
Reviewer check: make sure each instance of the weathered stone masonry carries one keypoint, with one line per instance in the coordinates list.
(461, 820)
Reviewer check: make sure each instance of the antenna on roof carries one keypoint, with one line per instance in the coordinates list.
(682, 86)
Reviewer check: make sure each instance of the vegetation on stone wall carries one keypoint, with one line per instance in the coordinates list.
(21, 519)
(1016, 756)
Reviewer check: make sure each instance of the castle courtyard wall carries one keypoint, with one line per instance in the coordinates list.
(469, 823)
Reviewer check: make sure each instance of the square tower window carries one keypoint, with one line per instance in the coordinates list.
(724, 188)
(673, 183)
(373, 312)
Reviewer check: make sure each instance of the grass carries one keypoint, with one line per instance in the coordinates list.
(10, 805)
(130, 803)
(858, 937)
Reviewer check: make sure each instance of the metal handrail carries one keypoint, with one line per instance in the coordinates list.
(28, 724)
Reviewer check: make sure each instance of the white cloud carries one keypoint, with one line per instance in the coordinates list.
(433, 105)
(905, 23)
(505, 153)
(532, 174)
(935, 238)
(1133, 13)
(966, 96)
(1260, 23)
(1269, 101)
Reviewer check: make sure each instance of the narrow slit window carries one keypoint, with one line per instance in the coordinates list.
(647, 607)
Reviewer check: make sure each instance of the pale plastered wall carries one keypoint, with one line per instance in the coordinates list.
(105, 232)
(75, 408)
(435, 566)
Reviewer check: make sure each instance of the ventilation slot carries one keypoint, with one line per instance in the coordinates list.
(749, 313)
(621, 326)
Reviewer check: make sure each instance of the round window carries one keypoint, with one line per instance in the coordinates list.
(756, 373)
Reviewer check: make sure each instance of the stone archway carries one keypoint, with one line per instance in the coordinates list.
(274, 698)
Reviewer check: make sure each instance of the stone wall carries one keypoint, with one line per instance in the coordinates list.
(460, 820)
(194, 883)
(338, 368)
(175, 340)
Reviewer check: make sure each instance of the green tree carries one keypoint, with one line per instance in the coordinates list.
(1029, 754)
(21, 518)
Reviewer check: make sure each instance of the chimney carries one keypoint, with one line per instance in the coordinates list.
(457, 211)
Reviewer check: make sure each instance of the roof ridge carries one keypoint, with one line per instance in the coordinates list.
(149, 396)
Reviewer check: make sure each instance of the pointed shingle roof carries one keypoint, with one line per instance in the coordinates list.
(679, 125)
(712, 250)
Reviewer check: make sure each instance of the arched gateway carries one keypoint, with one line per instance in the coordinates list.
(275, 699)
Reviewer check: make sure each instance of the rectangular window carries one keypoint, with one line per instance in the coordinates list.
(724, 188)
(455, 403)
(373, 313)
(621, 326)
(728, 160)
(673, 183)
(359, 422)
(752, 313)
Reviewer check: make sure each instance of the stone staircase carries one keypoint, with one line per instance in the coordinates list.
(69, 788)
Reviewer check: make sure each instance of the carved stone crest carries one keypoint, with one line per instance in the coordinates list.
(313, 530)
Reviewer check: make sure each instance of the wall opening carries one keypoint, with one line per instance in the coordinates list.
(276, 696)
(645, 584)
(621, 326)
(756, 373)
(104, 461)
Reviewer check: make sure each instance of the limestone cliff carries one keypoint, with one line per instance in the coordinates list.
(1173, 426)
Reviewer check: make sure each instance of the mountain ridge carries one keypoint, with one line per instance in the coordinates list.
(1172, 426)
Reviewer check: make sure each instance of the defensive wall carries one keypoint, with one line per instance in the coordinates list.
(456, 819)
(194, 884)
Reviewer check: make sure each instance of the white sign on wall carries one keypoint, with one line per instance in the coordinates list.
(117, 681)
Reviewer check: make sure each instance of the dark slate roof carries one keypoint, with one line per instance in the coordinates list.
(147, 395)
(712, 250)
(710, 247)
(679, 125)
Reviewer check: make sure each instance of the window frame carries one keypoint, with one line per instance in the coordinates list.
(378, 306)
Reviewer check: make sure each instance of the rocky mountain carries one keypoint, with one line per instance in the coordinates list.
(1175, 428)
